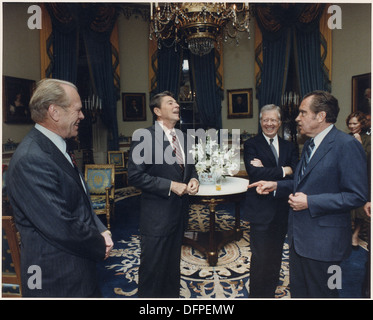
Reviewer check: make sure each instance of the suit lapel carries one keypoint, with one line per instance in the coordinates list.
(266, 149)
(162, 142)
(56, 155)
(325, 146)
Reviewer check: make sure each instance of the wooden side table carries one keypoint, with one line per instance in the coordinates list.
(233, 189)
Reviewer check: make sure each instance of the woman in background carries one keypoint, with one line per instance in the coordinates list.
(358, 125)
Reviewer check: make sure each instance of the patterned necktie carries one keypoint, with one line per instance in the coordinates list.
(73, 159)
(306, 157)
(75, 165)
(273, 150)
(177, 150)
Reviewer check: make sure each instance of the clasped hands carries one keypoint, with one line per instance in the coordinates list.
(297, 201)
(182, 188)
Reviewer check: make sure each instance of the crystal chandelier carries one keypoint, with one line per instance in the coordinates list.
(198, 24)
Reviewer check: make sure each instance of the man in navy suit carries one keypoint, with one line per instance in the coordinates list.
(166, 178)
(330, 180)
(61, 236)
(267, 157)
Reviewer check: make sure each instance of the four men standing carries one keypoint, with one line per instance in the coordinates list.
(61, 234)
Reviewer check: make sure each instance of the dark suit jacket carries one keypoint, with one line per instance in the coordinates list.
(59, 231)
(161, 210)
(262, 208)
(335, 182)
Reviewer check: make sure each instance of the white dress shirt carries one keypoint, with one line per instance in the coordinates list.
(320, 137)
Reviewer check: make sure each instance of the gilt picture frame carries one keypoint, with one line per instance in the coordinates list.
(134, 106)
(361, 86)
(17, 93)
(240, 103)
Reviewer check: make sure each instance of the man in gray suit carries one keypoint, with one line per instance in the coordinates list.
(61, 236)
(166, 178)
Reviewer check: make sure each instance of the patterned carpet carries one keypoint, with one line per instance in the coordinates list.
(228, 279)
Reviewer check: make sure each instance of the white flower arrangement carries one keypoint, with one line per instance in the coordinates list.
(216, 159)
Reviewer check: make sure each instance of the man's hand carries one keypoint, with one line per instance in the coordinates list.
(179, 188)
(264, 187)
(193, 186)
(288, 171)
(108, 241)
(367, 209)
(298, 201)
(256, 163)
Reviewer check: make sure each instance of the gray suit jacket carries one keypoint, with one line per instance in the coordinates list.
(59, 231)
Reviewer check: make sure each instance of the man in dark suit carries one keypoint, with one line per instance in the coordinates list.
(161, 170)
(61, 236)
(268, 157)
(330, 180)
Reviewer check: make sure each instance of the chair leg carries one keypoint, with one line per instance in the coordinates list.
(108, 218)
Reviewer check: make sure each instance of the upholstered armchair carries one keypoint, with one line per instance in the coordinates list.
(100, 179)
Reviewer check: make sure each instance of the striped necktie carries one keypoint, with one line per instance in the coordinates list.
(177, 150)
(306, 157)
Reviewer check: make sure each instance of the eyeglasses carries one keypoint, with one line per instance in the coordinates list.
(270, 120)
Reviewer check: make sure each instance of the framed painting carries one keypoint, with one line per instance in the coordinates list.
(361, 85)
(116, 158)
(240, 103)
(134, 106)
(16, 98)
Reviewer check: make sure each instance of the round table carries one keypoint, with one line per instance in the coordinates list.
(233, 189)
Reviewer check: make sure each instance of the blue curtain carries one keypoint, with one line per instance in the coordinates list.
(308, 59)
(169, 69)
(288, 27)
(208, 94)
(99, 53)
(65, 43)
(274, 72)
(95, 23)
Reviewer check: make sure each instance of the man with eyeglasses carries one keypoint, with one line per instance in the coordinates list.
(267, 157)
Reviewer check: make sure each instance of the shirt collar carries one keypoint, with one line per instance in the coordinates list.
(275, 139)
(54, 137)
(320, 136)
(165, 129)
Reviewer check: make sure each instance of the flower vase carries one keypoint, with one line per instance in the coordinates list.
(206, 178)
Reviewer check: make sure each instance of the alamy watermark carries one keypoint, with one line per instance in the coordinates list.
(335, 280)
(34, 281)
(150, 151)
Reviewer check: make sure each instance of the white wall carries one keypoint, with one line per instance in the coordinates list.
(134, 51)
(21, 56)
(239, 74)
(351, 54)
